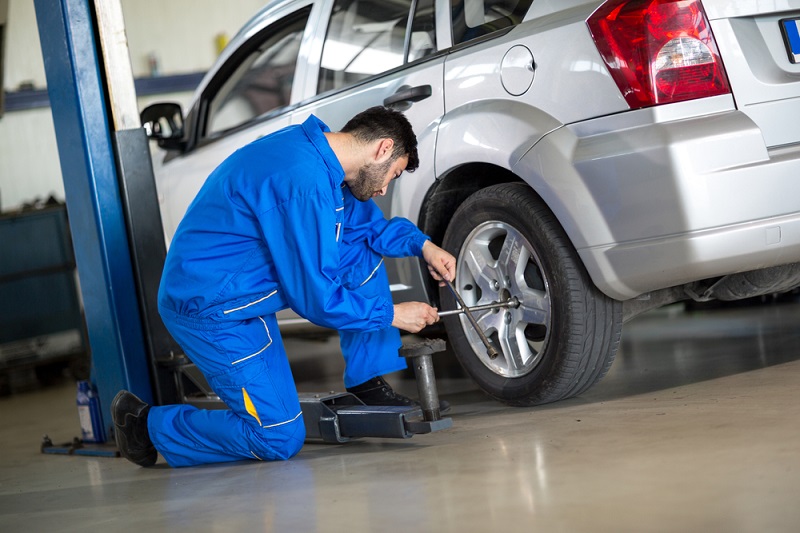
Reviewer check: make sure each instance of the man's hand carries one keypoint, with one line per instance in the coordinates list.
(414, 316)
(441, 264)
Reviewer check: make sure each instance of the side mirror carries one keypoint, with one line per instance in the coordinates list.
(164, 124)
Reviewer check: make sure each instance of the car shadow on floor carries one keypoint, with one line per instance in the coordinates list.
(673, 347)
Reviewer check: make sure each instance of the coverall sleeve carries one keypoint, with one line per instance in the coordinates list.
(396, 237)
(301, 235)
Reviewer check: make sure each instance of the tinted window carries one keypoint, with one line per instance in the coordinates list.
(262, 78)
(364, 38)
(475, 18)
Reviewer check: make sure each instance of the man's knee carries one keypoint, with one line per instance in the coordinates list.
(280, 442)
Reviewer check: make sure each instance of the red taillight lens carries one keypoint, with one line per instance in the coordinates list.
(659, 51)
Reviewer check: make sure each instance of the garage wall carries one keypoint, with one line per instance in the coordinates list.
(166, 37)
(3, 16)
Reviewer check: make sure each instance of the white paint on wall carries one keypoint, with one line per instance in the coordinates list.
(23, 61)
(181, 33)
(29, 165)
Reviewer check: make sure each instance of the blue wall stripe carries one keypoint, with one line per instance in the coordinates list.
(32, 99)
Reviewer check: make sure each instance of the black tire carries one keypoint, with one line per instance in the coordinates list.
(564, 335)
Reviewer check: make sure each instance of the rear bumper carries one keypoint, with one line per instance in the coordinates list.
(679, 201)
(626, 270)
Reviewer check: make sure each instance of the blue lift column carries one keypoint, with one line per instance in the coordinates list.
(94, 200)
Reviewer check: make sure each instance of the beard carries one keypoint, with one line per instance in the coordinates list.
(369, 180)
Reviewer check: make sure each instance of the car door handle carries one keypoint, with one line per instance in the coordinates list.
(409, 94)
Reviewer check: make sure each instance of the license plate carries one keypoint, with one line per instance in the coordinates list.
(791, 34)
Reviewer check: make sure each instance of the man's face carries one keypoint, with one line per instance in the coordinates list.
(373, 178)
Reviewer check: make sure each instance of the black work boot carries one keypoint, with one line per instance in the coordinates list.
(377, 392)
(130, 420)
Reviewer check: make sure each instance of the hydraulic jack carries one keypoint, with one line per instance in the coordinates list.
(340, 417)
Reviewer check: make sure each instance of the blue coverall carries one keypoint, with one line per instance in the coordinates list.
(274, 226)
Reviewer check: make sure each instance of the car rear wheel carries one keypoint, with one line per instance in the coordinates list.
(562, 337)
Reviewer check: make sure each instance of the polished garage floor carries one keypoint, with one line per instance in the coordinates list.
(696, 428)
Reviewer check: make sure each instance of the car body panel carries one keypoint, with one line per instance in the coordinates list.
(698, 175)
(718, 9)
(473, 74)
(765, 82)
(650, 198)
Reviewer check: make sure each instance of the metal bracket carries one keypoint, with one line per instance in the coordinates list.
(341, 417)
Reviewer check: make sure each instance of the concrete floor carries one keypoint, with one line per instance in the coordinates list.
(694, 429)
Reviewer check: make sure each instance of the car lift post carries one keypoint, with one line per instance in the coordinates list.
(104, 164)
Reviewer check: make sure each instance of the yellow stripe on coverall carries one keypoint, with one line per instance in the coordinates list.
(248, 404)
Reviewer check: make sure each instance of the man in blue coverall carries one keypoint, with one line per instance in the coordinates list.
(285, 222)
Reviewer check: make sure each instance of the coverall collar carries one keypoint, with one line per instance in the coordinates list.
(314, 129)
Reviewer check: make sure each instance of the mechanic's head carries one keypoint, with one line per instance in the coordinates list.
(383, 123)
(396, 136)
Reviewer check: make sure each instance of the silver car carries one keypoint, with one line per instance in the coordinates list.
(584, 161)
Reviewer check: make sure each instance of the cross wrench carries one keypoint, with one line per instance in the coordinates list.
(513, 302)
(490, 350)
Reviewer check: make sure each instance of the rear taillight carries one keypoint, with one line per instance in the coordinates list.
(659, 51)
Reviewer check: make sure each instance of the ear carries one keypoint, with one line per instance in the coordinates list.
(384, 150)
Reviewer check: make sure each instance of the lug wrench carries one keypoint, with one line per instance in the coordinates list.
(490, 350)
(513, 302)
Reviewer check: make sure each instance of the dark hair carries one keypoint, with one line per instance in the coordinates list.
(384, 123)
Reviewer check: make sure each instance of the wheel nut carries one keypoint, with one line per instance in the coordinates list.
(496, 285)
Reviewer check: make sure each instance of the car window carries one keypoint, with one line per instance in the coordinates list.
(367, 37)
(475, 18)
(423, 31)
(260, 79)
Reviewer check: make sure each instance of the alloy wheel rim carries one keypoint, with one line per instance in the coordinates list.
(497, 263)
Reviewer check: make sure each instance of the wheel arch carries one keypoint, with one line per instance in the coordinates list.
(502, 140)
(548, 169)
(451, 190)
(477, 146)
(499, 141)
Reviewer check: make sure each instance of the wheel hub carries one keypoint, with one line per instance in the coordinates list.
(497, 263)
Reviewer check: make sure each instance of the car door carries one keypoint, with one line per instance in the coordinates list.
(244, 97)
(383, 53)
